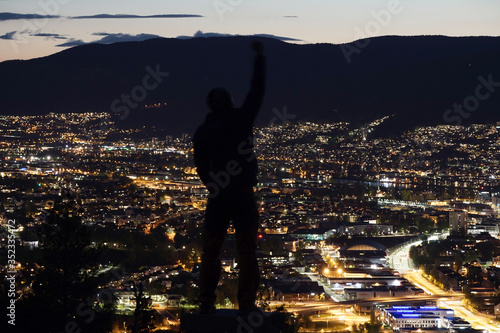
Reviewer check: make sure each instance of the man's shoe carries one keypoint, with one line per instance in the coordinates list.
(247, 310)
(207, 309)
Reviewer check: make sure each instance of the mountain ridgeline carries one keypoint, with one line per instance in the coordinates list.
(421, 80)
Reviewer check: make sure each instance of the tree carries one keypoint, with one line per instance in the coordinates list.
(227, 292)
(368, 327)
(304, 321)
(424, 224)
(459, 261)
(143, 315)
(406, 195)
(442, 224)
(28, 209)
(473, 300)
(299, 253)
(65, 286)
(470, 256)
(485, 250)
(403, 225)
(373, 327)
(474, 275)
(293, 323)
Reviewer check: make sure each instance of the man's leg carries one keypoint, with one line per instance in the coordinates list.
(210, 265)
(247, 223)
(214, 233)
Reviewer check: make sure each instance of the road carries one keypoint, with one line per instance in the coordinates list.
(400, 261)
(327, 311)
(416, 278)
(478, 321)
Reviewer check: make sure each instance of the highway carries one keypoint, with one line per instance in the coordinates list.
(478, 320)
(327, 312)
(342, 310)
(400, 261)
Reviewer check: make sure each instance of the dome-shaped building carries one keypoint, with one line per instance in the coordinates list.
(364, 250)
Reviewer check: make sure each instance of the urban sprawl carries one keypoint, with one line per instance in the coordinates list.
(399, 232)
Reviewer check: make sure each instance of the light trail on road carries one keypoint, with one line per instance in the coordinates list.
(478, 321)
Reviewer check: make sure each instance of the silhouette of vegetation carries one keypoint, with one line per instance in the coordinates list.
(369, 327)
(65, 287)
(143, 314)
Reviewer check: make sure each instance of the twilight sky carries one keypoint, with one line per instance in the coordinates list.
(307, 21)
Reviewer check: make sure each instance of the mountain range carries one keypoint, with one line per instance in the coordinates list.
(417, 80)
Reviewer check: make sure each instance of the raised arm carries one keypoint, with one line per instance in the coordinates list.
(255, 96)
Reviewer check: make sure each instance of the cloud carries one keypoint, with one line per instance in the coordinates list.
(9, 35)
(109, 38)
(114, 38)
(279, 37)
(290, 16)
(49, 36)
(72, 42)
(127, 16)
(5, 16)
(199, 34)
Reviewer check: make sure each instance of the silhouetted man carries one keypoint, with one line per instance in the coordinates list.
(226, 164)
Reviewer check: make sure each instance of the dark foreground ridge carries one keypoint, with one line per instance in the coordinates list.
(228, 321)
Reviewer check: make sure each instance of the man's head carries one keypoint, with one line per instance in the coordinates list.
(219, 99)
